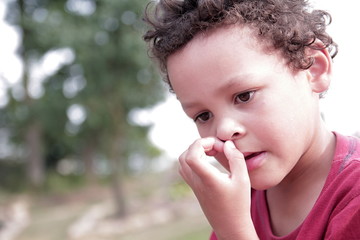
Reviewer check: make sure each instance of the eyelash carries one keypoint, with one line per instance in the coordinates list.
(236, 101)
(198, 117)
(250, 97)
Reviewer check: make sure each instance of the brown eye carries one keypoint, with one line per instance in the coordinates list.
(244, 97)
(203, 117)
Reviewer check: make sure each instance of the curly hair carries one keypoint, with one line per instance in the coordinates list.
(288, 25)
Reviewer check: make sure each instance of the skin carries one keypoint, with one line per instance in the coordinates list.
(246, 101)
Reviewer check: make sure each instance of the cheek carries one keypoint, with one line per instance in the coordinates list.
(203, 132)
(278, 115)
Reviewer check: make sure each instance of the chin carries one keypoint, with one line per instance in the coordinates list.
(262, 182)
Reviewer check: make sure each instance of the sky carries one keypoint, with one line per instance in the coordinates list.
(173, 132)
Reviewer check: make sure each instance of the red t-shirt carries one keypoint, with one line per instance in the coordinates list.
(336, 213)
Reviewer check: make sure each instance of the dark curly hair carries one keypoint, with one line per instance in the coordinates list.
(288, 25)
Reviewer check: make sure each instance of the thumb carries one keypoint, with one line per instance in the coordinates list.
(236, 160)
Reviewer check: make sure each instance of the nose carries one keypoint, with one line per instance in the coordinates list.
(229, 129)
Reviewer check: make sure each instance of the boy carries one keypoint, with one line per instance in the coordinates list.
(251, 73)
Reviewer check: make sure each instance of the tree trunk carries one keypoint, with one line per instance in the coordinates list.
(88, 157)
(35, 168)
(117, 180)
(118, 192)
(34, 156)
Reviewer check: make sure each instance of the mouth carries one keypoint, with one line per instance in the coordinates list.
(248, 156)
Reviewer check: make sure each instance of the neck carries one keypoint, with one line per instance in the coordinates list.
(314, 164)
(295, 196)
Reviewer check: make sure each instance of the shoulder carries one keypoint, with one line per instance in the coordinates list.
(345, 222)
(339, 201)
(343, 183)
(347, 154)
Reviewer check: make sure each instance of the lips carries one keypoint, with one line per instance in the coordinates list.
(248, 156)
(255, 160)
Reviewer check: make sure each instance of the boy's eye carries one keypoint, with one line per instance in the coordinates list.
(244, 97)
(203, 117)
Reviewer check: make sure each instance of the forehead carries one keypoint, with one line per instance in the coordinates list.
(219, 45)
(217, 56)
(225, 40)
(223, 36)
(213, 43)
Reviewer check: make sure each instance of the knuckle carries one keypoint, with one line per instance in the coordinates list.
(190, 161)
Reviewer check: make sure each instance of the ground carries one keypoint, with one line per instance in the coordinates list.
(87, 214)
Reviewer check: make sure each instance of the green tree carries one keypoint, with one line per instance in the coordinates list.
(108, 77)
(25, 111)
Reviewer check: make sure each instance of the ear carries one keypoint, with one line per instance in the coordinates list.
(319, 74)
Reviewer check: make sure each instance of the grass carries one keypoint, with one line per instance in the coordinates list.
(53, 214)
(52, 224)
(195, 228)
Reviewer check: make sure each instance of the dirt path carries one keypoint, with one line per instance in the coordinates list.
(14, 218)
(85, 216)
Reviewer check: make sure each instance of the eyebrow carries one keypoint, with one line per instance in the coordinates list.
(188, 106)
(230, 83)
(237, 80)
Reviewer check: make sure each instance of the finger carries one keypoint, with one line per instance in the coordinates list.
(190, 176)
(213, 146)
(184, 169)
(196, 158)
(237, 165)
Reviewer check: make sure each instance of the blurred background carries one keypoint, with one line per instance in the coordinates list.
(89, 135)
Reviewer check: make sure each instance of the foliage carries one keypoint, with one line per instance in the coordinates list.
(110, 63)
(57, 183)
(12, 176)
(103, 75)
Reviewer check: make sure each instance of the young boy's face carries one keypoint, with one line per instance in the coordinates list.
(234, 90)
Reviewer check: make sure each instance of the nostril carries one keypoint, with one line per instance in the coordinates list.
(236, 135)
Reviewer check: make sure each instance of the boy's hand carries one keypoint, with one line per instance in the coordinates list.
(224, 198)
